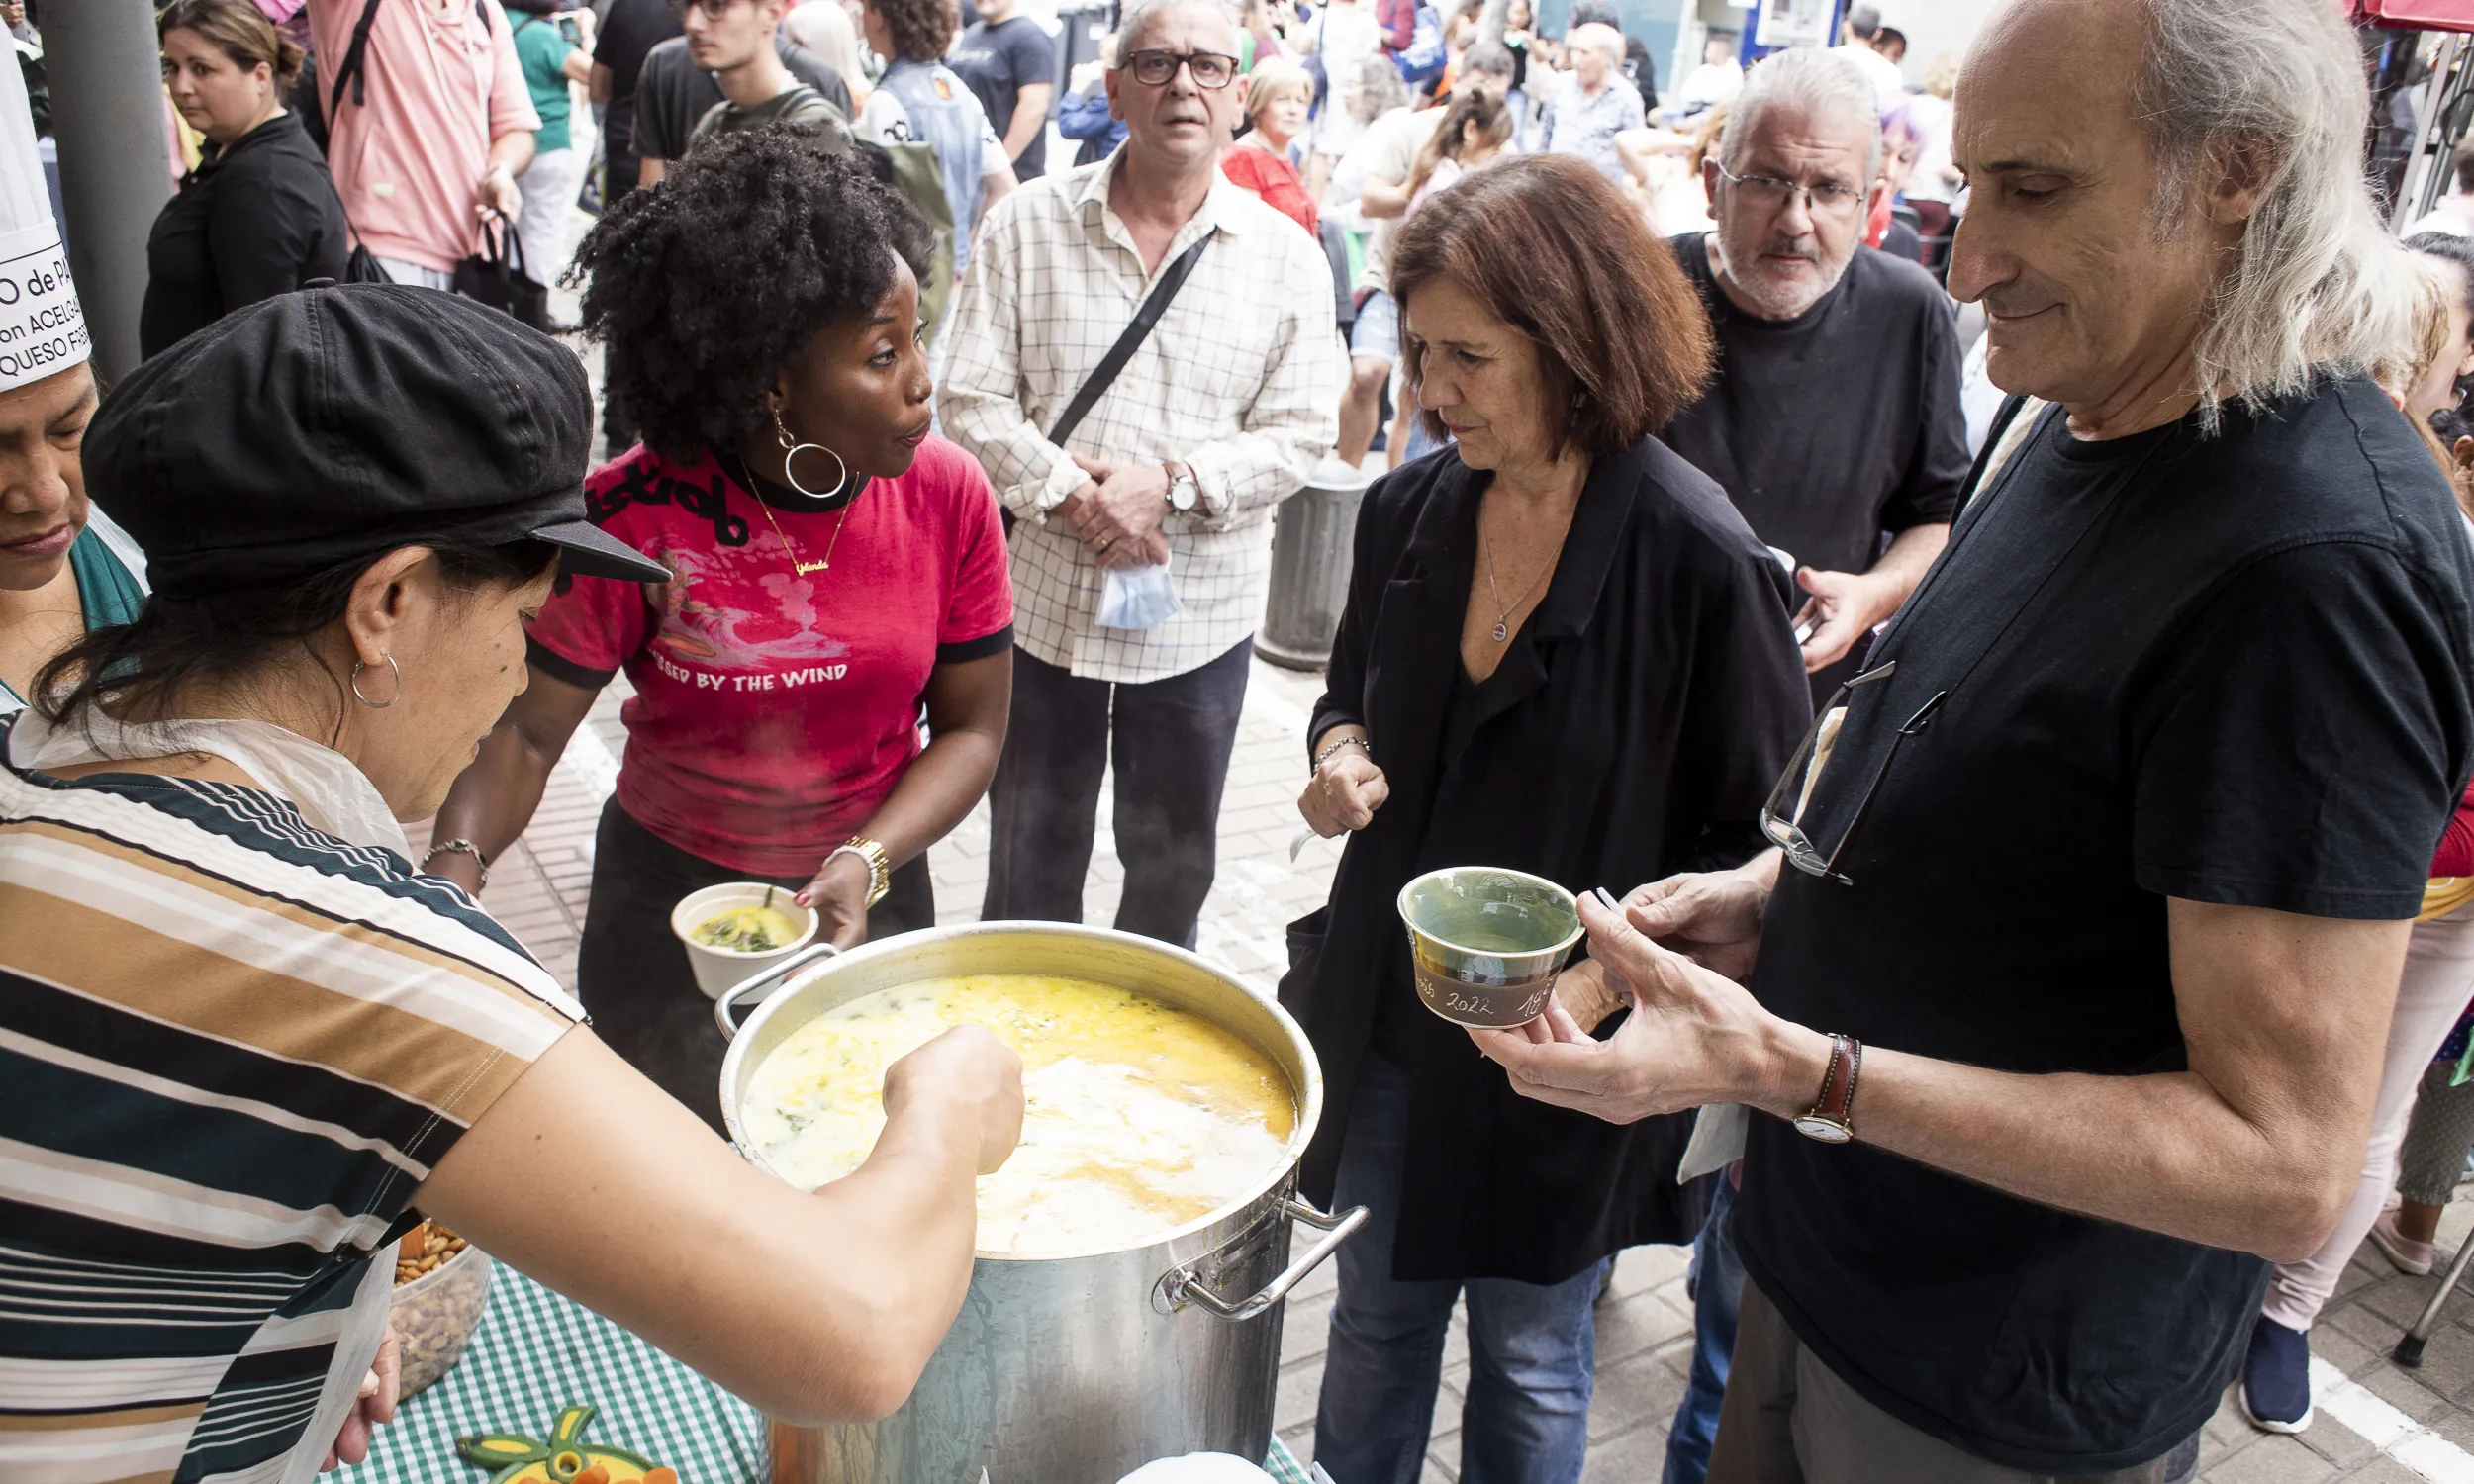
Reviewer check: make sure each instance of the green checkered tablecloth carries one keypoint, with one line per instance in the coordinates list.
(536, 1352)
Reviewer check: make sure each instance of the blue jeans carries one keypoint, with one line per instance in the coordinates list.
(1532, 1349)
(1717, 1282)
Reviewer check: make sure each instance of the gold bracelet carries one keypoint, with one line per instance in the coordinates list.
(879, 864)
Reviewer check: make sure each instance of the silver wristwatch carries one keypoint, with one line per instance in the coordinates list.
(1184, 493)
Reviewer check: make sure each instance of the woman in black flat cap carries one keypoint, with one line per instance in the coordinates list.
(241, 1036)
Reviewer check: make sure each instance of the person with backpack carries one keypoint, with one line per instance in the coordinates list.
(920, 101)
(427, 125)
(733, 41)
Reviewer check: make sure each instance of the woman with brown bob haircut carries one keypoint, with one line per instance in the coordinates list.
(1562, 652)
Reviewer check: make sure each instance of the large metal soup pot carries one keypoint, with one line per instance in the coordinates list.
(1074, 1369)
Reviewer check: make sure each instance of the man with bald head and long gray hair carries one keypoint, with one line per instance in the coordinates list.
(2080, 937)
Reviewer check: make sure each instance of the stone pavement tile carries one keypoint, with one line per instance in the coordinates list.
(2399, 1300)
(1304, 1330)
(2367, 1326)
(1640, 1392)
(2343, 1351)
(2272, 1460)
(2382, 1469)
(1293, 1402)
(2448, 1358)
(2337, 1444)
(1644, 1322)
(1637, 1456)
(2405, 1392)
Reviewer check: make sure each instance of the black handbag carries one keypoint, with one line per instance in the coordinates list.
(496, 276)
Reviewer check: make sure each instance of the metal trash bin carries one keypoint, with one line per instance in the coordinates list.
(1312, 534)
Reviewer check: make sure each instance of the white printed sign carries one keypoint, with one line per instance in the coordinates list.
(41, 329)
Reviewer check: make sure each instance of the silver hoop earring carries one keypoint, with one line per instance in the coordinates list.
(792, 448)
(377, 706)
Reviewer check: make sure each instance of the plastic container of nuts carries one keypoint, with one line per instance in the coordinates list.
(441, 1286)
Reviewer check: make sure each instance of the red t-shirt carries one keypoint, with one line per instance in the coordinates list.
(1275, 180)
(773, 713)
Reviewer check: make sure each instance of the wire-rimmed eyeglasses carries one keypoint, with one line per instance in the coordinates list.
(1770, 193)
(1781, 815)
(1153, 69)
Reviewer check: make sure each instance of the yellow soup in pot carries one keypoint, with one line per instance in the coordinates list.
(1138, 1117)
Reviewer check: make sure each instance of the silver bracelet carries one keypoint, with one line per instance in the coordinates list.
(1326, 754)
(468, 848)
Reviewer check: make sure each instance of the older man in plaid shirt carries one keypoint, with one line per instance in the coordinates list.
(1218, 416)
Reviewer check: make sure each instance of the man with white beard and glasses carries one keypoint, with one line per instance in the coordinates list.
(1834, 422)
(1833, 419)
(2061, 1004)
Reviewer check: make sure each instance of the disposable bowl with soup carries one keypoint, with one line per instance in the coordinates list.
(715, 926)
(1073, 1361)
(1485, 943)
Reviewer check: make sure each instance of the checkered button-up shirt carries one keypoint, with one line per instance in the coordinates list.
(1241, 379)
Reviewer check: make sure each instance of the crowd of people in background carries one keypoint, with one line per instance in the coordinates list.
(936, 469)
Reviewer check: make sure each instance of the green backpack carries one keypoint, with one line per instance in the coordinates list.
(919, 180)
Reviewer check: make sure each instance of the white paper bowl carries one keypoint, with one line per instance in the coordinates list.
(717, 969)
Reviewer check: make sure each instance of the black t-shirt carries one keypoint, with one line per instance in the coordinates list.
(1838, 424)
(999, 60)
(630, 30)
(673, 94)
(253, 220)
(2230, 670)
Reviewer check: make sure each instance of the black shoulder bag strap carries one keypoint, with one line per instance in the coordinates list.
(1102, 375)
(350, 71)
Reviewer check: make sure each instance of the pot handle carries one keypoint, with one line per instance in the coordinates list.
(773, 976)
(1184, 1284)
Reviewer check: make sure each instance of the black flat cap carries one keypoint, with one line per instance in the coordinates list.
(335, 424)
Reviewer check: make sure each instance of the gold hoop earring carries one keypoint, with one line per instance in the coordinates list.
(792, 448)
(378, 705)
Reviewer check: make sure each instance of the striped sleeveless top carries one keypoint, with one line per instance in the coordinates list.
(231, 1047)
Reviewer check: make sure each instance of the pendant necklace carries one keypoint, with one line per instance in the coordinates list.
(1503, 614)
(797, 566)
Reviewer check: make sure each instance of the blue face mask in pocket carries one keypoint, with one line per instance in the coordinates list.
(1138, 598)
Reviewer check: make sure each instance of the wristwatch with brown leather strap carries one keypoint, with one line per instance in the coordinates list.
(1829, 1119)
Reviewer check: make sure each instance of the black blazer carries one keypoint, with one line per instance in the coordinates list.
(256, 218)
(1633, 729)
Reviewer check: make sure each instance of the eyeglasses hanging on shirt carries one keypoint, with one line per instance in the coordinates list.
(1781, 818)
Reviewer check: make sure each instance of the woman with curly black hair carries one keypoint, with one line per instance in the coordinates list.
(835, 569)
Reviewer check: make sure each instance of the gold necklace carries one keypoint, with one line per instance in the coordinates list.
(1503, 614)
(797, 566)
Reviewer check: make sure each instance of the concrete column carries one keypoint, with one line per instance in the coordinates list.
(107, 109)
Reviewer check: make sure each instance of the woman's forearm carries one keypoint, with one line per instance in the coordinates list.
(936, 793)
